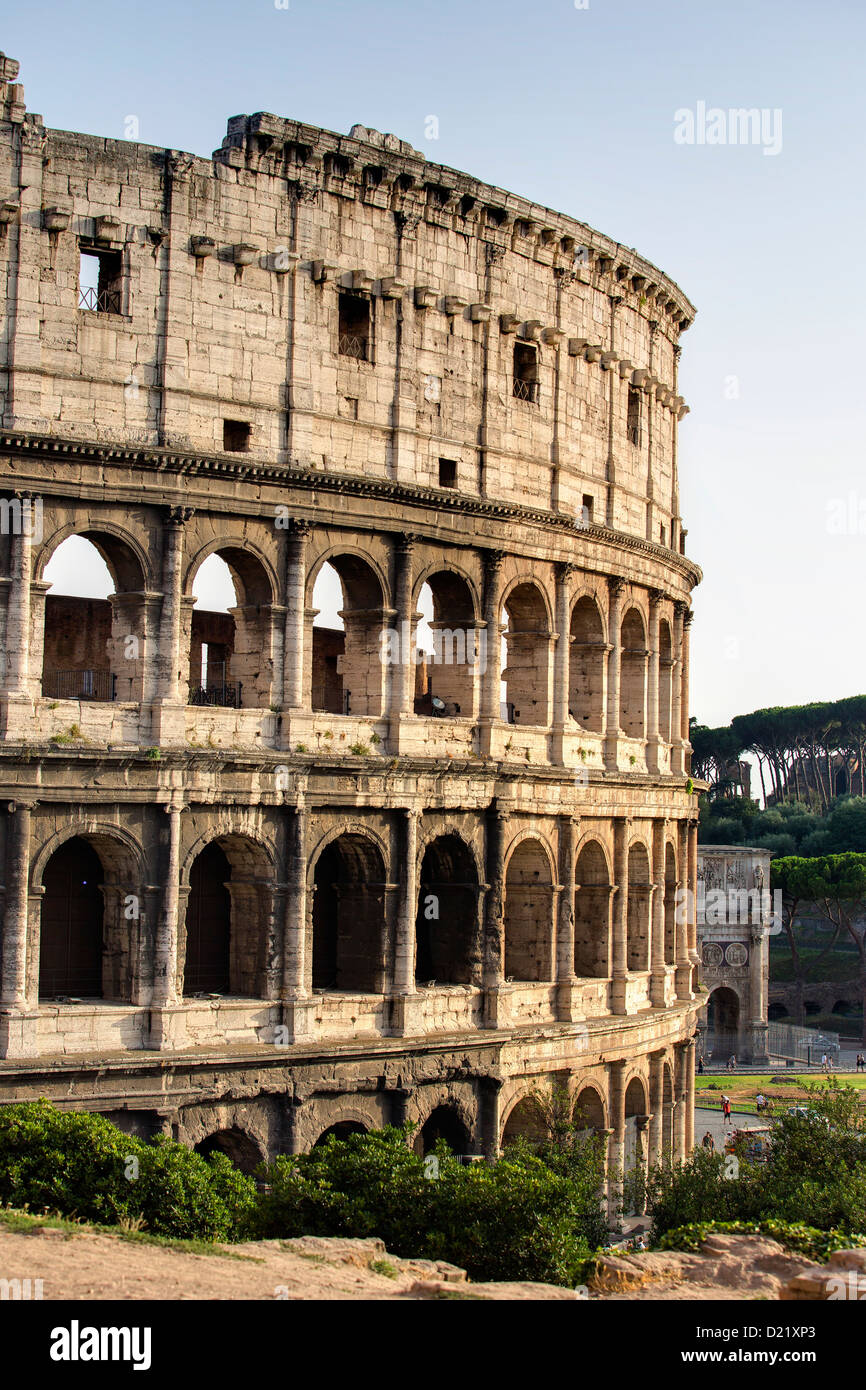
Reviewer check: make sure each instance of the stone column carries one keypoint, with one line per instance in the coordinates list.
(492, 677)
(405, 1010)
(657, 952)
(692, 928)
(684, 1054)
(689, 1053)
(758, 973)
(566, 983)
(619, 971)
(490, 1113)
(296, 584)
(495, 1002)
(656, 1105)
(562, 660)
(677, 762)
(653, 739)
(684, 683)
(402, 682)
(616, 1144)
(18, 615)
(297, 1007)
(614, 669)
(168, 721)
(165, 1023)
(16, 1033)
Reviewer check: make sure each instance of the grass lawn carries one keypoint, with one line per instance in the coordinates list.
(743, 1089)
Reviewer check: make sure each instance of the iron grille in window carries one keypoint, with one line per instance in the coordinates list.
(353, 345)
(103, 301)
(217, 690)
(526, 390)
(79, 685)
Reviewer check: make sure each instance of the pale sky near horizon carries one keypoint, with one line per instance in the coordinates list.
(575, 107)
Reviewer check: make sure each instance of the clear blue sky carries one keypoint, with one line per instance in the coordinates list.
(575, 107)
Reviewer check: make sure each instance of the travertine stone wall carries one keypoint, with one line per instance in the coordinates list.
(423, 916)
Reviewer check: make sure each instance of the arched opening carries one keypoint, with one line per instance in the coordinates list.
(343, 1129)
(452, 645)
(349, 917)
(443, 1123)
(589, 1110)
(94, 622)
(71, 939)
(586, 686)
(639, 894)
(666, 667)
(723, 1023)
(228, 921)
(632, 690)
(243, 1151)
(447, 923)
(777, 1011)
(635, 1151)
(347, 670)
(670, 905)
(592, 913)
(525, 1121)
(92, 921)
(528, 913)
(230, 632)
(527, 646)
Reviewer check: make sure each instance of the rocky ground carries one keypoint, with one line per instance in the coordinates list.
(79, 1263)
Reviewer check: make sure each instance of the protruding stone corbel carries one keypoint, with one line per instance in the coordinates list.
(682, 412)
(508, 323)
(480, 313)
(552, 336)
(625, 368)
(202, 246)
(55, 219)
(454, 304)
(322, 271)
(244, 253)
(531, 330)
(390, 287)
(639, 376)
(593, 352)
(8, 211)
(576, 346)
(425, 297)
(107, 229)
(608, 359)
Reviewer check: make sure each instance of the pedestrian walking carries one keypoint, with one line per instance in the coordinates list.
(701, 1063)
(726, 1109)
(708, 1142)
(823, 1061)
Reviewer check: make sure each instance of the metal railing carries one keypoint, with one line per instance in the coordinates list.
(326, 700)
(353, 345)
(225, 693)
(808, 1045)
(525, 390)
(102, 301)
(79, 685)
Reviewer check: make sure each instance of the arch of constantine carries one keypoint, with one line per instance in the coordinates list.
(265, 879)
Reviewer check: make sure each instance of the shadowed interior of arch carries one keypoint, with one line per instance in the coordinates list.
(527, 644)
(443, 1123)
(529, 913)
(224, 943)
(446, 925)
(349, 947)
(230, 641)
(592, 913)
(347, 674)
(88, 939)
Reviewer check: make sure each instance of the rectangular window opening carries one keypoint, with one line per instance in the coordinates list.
(526, 371)
(663, 537)
(634, 416)
(586, 509)
(236, 436)
(447, 473)
(354, 327)
(100, 280)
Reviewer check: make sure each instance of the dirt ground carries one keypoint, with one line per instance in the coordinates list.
(84, 1265)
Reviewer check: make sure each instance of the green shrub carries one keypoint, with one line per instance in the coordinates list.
(515, 1219)
(81, 1165)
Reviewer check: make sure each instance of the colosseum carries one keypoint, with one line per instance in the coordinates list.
(272, 872)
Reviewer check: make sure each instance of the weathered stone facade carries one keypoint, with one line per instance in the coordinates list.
(316, 348)
(734, 918)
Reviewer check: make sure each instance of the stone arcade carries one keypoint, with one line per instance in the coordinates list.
(218, 892)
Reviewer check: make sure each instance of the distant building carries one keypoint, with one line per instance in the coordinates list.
(733, 919)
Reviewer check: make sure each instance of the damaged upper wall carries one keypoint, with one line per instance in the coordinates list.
(335, 303)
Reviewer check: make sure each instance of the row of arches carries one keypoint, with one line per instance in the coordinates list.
(93, 944)
(232, 637)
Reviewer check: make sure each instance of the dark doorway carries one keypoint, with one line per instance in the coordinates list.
(236, 1145)
(446, 928)
(342, 1130)
(444, 1123)
(349, 917)
(70, 951)
(723, 1022)
(208, 925)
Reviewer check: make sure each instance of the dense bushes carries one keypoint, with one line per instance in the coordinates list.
(81, 1165)
(816, 1175)
(516, 1219)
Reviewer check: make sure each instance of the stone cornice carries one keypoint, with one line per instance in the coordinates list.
(170, 461)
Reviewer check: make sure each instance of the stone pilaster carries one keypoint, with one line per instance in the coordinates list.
(166, 1020)
(298, 1007)
(405, 1001)
(614, 671)
(492, 677)
(657, 951)
(17, 1017)
(619, 964)
(562, 660)
(495, 1001)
